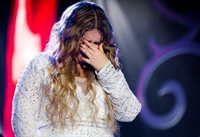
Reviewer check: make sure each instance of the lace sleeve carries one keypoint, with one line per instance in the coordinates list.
(126, 105)
(25, 101)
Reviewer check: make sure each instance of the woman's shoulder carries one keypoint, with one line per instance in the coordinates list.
(42, 56)
(41, 60)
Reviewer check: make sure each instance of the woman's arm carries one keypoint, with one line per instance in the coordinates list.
(126, 105)
(26, 101)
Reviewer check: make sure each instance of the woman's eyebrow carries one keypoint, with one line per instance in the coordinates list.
(96, 42)
(87, 40)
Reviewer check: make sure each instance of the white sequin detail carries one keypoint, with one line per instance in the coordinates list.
(28, 114)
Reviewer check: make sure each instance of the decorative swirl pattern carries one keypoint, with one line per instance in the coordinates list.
(169, 86)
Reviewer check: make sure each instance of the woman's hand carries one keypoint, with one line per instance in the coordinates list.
(95, 55)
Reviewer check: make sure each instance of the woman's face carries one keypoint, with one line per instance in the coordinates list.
(93, 36)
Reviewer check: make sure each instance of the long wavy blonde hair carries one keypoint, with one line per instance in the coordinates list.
(65, 39)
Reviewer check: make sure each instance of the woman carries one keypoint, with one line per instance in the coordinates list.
(75, 87)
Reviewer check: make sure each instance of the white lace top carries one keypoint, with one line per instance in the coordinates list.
(28, 113)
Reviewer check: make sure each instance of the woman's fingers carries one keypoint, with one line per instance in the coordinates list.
(95, 54)
(101, 47)
(90, 45)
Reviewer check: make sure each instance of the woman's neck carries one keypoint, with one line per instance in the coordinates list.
(80, 71)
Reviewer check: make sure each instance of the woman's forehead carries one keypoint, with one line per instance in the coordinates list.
(92, 35)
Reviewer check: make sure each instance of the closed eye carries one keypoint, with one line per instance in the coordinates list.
(97, 43)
